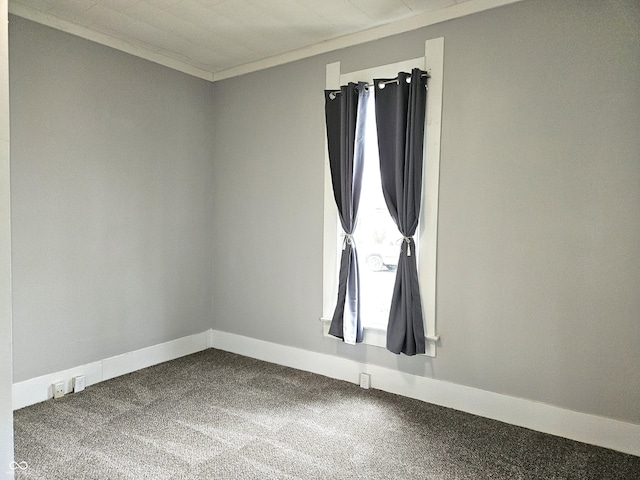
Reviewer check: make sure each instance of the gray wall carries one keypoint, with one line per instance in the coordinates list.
(6, 412)
(111, 192)
(127, 214)
(538, 261)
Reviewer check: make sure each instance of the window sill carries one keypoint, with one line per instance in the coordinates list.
(378, 338)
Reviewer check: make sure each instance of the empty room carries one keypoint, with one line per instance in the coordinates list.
(217, 262)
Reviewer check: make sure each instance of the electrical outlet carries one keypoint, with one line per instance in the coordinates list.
(78, 383)
(365, 380)
(58, 390)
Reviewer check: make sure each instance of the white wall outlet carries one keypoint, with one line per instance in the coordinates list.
(365, 380)
(58, 390)
(78, 383)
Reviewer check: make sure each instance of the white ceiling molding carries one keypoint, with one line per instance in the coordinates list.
(108, 40)
(195, 38)
(423, 20)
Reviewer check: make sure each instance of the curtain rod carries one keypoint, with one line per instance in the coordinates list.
(381, 85)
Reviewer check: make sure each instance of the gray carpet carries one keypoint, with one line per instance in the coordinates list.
(217, 415)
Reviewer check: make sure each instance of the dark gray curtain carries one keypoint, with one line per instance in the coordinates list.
(400, 114)
(344, 114)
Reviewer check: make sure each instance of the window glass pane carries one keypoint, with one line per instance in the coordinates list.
(376, 235)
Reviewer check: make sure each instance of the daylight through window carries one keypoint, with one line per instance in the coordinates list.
(377, 237)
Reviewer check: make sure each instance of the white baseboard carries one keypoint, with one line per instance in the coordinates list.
(592, 429)
(582, 427)
(39, 389)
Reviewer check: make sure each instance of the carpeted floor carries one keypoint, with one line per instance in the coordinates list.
(217, 415)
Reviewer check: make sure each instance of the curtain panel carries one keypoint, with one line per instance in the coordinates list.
(345, 113)
(400, 114)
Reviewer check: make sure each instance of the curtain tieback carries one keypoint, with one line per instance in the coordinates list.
(347, 238)
(408, 241)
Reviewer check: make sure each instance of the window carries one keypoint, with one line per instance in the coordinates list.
(377, 237)
(368, 238)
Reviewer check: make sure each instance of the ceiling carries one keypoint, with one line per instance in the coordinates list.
(215, 39)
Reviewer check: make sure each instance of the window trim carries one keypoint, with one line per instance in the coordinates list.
(433, 63)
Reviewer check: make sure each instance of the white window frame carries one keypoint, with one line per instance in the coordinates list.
(433, 63)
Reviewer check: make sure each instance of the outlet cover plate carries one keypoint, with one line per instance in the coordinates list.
(58, 390)
(79, 383)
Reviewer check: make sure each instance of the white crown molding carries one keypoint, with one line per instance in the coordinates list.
(422, 20)
(104, 39)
